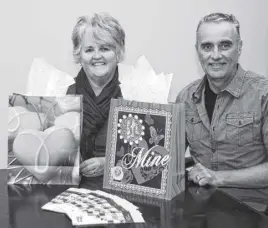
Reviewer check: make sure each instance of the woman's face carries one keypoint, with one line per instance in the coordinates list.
(99, 61)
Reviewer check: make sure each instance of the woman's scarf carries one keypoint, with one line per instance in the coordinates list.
(95, 111)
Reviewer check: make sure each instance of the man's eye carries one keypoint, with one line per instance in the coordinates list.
(225, 46)
(206, 47)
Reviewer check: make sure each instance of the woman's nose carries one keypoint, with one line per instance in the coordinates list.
(96, 54)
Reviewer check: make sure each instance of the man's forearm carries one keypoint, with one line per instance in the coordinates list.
(252, 177)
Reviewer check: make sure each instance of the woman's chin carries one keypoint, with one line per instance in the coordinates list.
(101, 76)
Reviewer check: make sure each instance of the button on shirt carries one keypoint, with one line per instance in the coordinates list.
(237, 136)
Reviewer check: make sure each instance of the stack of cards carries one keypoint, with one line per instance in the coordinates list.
(86, 207)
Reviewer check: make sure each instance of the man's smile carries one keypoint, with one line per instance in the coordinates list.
(217, 66)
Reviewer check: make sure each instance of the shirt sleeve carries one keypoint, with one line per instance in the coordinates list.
(180, 99)
(265, 119)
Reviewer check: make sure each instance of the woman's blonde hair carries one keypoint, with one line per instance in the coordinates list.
(106, 29)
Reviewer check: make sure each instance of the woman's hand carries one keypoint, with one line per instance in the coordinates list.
(92, 167)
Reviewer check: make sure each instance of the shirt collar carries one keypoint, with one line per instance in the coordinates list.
(234, 87)
(198, 92)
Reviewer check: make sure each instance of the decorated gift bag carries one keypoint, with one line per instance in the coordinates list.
(146, 137)
(44, 129)
(43, 139)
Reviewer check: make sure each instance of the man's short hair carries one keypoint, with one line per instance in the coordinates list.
(220, 17)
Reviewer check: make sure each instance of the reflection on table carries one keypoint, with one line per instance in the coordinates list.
(196, 207)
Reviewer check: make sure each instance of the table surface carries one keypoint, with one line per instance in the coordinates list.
(20, 207)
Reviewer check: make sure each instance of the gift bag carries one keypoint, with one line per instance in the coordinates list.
(145, 149)
(43, 140)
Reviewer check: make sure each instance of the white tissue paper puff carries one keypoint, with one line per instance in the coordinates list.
(45, 80)
(141, 83)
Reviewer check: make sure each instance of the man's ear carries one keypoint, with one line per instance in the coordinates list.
(196, 49)
(240, 45)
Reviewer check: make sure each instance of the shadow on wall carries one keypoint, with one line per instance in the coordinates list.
(198, 73)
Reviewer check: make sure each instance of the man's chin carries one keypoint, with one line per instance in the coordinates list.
(217, 75)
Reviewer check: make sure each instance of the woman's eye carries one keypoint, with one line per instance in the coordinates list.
(89, 50)
(104, 49)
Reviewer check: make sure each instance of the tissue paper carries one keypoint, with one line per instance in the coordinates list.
(45, 80)
(141, 83)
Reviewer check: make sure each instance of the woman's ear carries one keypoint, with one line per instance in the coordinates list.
(119, 56)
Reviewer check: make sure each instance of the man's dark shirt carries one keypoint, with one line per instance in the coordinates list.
(210, 99)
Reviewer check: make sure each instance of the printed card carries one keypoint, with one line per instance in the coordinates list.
(86, 207)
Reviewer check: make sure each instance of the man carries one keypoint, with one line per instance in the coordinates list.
(226, 111)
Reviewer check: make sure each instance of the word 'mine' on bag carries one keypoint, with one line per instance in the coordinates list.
(145, 149)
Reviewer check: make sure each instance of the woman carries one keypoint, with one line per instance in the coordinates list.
(98, 46)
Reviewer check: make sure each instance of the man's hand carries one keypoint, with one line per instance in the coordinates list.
(93, 167)
(202, 176)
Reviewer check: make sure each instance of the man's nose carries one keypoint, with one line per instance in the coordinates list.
(216, 54)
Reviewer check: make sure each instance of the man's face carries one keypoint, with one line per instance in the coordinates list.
(218, 49)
